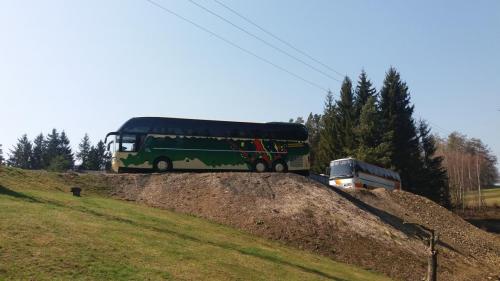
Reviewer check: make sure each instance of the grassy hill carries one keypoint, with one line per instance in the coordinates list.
(47, 234)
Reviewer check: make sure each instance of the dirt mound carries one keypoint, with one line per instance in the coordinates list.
(366, 228)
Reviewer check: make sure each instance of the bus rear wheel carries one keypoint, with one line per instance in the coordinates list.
(260, 166)
(280, 167)
(162, 165)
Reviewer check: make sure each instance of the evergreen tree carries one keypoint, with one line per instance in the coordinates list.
(364, 90)
(328, 147)
(83, 153)
(20, 155)
(64, 150)
(370, 147)
(434, 181)
(37, 159)
(400, 136)
(1, 155)
(299, 120)
(313, 125)
(98, 157)
(51, 147)
(105, 155)
(345, 118)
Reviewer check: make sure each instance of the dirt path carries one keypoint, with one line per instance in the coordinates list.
(365, 228)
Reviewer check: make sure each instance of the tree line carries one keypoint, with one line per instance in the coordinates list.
(470, 166)
(379, 127)
(1, 155)
(53, 152)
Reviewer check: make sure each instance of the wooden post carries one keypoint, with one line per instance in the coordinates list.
(432, 259)
(432, 263)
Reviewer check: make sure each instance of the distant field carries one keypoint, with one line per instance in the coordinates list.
(491, 197)
(47, 234)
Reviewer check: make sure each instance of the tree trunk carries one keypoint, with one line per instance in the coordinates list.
(480, 198)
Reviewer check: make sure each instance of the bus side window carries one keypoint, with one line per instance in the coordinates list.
(128, 143)
(139, 142)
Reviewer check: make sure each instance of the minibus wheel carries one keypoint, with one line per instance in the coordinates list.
(162, 165)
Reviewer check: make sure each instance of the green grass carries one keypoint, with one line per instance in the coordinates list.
(491, 197)
(47, 234)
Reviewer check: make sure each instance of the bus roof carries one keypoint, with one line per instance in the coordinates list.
(214, 128)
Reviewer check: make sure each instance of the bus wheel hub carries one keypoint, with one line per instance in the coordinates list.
(162, 165)
(260, 167)
(279, 168)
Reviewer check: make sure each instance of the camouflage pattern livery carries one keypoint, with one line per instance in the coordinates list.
(214, 153)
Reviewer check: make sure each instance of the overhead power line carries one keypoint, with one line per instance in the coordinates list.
(264, 41)
(287, 44)
(443, 130)
(254, 54)
(236, 45)
(278, 38)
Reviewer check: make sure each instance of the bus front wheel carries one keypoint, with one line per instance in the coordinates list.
(162, 165)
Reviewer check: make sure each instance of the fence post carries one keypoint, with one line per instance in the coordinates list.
(432, 259)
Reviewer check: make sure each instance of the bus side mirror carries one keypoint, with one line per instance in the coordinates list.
(109, 145)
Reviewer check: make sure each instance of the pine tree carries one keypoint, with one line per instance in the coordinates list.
(1, 155)
(64, 150)
(105, 155)
(83, 153)
(51, 147)
(299, 120)
(370, 147)
(400, 133)
(37, 160)
(313, 125)
(345, 118)
(364, 90)
(328, 147)
(434, 180)
(20, 155)
(99, 158)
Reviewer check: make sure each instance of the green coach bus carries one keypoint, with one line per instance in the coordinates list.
(165, 144)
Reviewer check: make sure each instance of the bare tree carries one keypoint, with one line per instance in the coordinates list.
(470, 165)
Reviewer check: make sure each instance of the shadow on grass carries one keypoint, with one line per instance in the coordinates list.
(227, 246)
(18, 195)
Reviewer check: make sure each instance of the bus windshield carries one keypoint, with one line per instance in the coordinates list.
(341, 169)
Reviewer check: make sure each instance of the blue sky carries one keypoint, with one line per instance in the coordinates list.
(87, 66)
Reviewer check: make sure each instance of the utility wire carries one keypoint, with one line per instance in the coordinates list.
(237, 46)
(264, 41)
(278, 38)
(254, 54)
(443, 130)
(286, 43)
